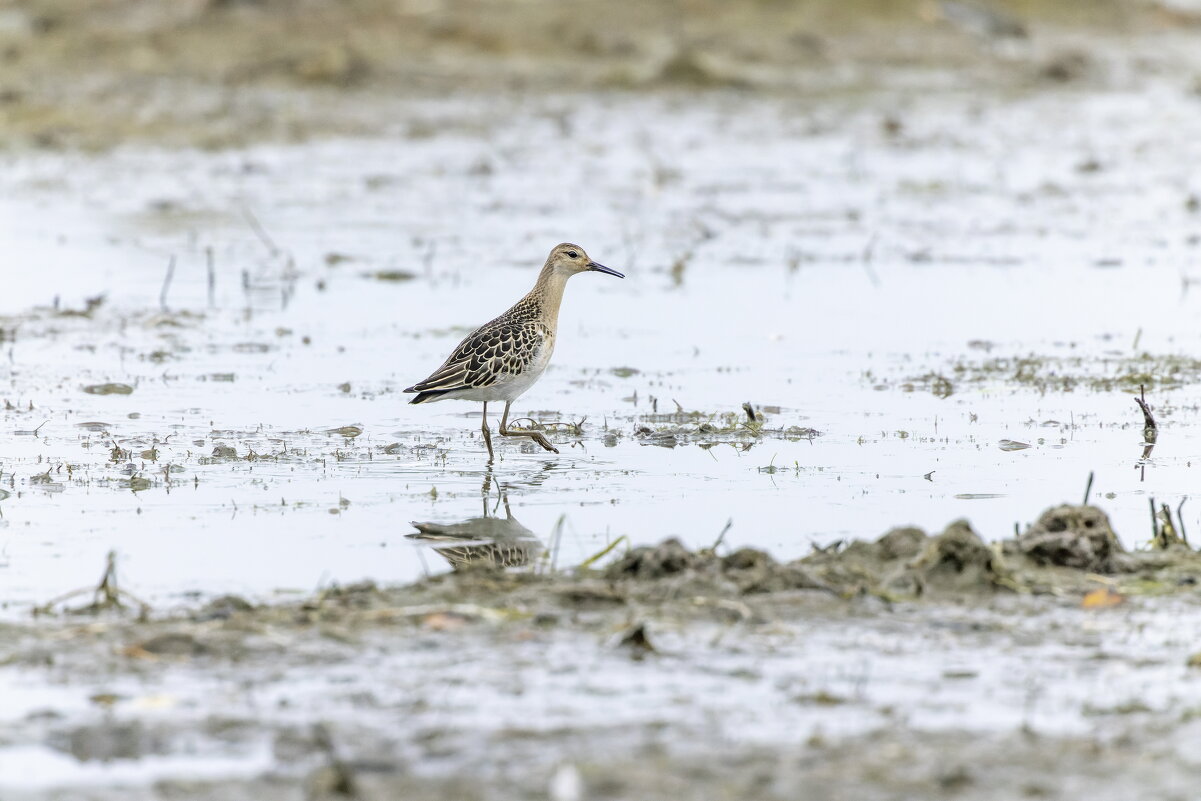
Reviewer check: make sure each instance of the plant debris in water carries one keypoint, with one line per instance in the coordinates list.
(1056, 373)
(108, 389)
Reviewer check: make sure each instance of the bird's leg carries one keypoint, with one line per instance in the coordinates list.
(486, 489)
(536, 436)
(487, 433)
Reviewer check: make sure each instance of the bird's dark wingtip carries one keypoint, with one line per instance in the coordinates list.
(424, 395)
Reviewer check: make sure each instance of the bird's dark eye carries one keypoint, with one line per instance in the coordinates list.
(573, 254)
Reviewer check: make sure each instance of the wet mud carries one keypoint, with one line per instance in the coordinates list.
(666, 673)
(98, 74)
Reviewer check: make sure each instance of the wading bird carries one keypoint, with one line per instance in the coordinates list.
(503, 358)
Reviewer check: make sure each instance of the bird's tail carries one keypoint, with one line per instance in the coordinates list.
(428, 395)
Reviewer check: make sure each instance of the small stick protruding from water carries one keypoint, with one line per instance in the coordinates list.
(556, 538)
(1088, 487)
(1154, 521)
(720, 537)
(105, 595)
(750, 411)
(212, 275)
(869, 252)
(591, 560)
(162, 295)
(1180, 520)
(1150, 429)
(259, 231)
(1168, 535)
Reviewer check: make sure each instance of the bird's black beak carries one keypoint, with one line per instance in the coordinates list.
(600, 268)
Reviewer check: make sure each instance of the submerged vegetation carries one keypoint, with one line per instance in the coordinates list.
(1056, 373)
(743, 428)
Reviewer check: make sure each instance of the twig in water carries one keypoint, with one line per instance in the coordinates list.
(575, 427)
(162, 295)
(1167, 536)
(869, 253)
(259, 231)
(212, 275)
(535, 425)
(107, 590)
(722, 535)
(750, 411)
(678, 268)
(105, 595)
(1154, 521)
(1180, 519)
(1088, 487)
(556, 538)
(591, 560)
(1150, 429)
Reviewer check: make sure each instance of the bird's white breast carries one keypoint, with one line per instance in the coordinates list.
(510, 388)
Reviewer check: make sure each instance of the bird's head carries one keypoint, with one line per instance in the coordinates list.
(568, 259)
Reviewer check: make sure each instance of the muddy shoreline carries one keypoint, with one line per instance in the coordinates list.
(215, 74)
(418, 691)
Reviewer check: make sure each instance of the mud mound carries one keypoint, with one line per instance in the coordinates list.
(754, 571)
(647, 563)
(956, 561)
(1079, 537)
(1058, 555)
(748, 559)
(745, 571)
(901, 543)
(906, 563)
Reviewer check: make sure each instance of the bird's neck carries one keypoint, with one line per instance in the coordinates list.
(547, 294)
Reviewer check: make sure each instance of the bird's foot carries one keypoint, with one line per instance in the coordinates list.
(541, 440)
(536, 436)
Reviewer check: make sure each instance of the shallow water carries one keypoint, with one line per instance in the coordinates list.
(801, 258)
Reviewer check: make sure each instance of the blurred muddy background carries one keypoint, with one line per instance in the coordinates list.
(890, 264)
(219, 73)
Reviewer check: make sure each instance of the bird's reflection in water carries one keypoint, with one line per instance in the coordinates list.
(483, 542)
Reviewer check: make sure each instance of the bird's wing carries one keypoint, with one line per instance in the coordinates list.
(480, 529)
(496, 348)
